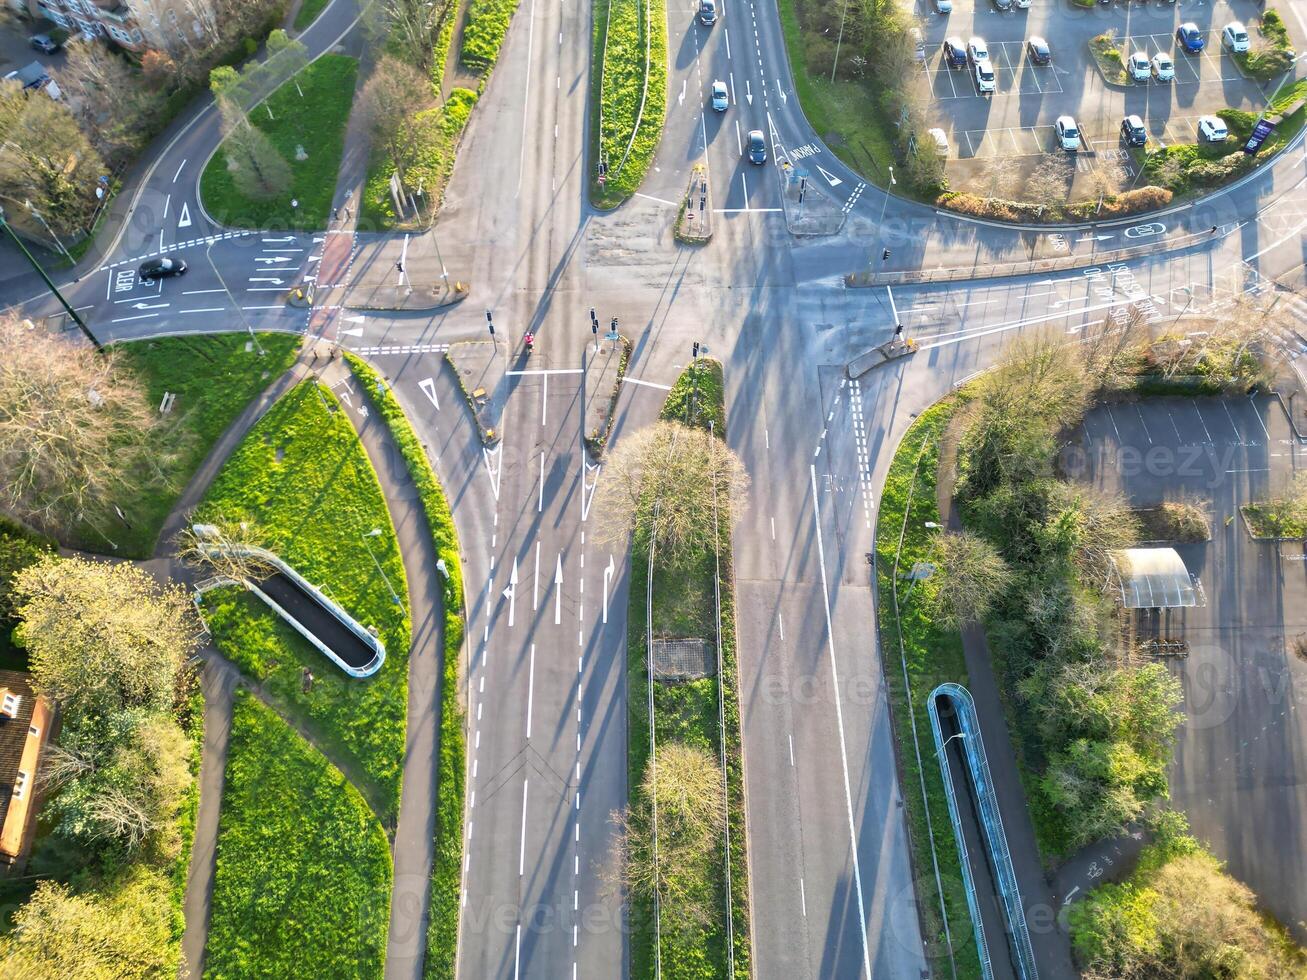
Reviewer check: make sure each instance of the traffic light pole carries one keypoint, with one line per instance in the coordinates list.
(49, 285)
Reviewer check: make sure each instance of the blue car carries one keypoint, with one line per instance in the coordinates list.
(1190, 37)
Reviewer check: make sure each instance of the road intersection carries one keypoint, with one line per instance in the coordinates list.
(832, 886)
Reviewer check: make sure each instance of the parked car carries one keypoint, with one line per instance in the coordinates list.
(161, 268)
(1211, 129)
(1235, 37)
(1039, 51)
(940, 140)
(720, 98)
(1133, 132)
(1138, 67)
(955, 52)
(45, 43)
(977, 49)
(707, 12)
(1163, 67)
(1021, 4)
(1190, 37)
(918, 44)
(943, 6)
(757, 147)
(1068, 134)
(1003, 4)
(984, 74)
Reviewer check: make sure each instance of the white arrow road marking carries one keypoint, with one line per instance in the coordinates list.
(344, 396)
(608, 577)
(588, 489)
(680, 99)
(288, 238)
(494, 466)
(275, 282)
(428, 386)
(781, 92)
(355, 319)
(314, 258)
(510, 594)
(184, 220)
(1067, 900)
(149, 306)
(272, 259)
(748, 92)
(830, 177)
(558, 590)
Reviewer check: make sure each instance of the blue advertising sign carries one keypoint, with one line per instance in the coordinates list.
(1260, 132)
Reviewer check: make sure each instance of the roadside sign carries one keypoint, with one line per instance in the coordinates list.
(1260, 133)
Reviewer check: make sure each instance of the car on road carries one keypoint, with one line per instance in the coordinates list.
(720, 98)
(1138, 68)
(45, 43)
(1190, 37)
(1133, 132)
(943, 6)
(940, 139)
(1235, 37)
(1003, 4)
(955, 52)
(984, 73)
(1039, 51)
(707, 12)
(977, 49)
(1211, 129)
(1163, 67)
(1068, 133)
(1021, 4)
(757, 147)
(161, 268)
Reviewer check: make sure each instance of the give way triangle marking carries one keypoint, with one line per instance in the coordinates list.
(185, 220)
(830, 177)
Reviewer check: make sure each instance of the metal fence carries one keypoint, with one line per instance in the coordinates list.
(991, 825)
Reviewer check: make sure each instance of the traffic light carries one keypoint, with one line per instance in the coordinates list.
(695, 350)
(884, 256)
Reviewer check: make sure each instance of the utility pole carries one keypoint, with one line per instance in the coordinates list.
(50, 285)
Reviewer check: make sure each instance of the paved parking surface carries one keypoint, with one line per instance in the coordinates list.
(1240, 772)
(1013, 75)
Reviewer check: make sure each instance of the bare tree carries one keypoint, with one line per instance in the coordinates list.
(223, 548)
(1049, 183)
(256, 167)
(412, 28)
(999, 178)
(75, 430)
(970, 575)
(1106, 179)
(1112, 350)
(110, 100)
(660, 481)
(394, 95)
(925, 164)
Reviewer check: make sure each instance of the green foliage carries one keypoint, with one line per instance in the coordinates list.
(483, 33)
(19, 548)
(622, 80)
(213, 377)
(931, 655)
(1273, 55)
(439, 134)
(446, 871)
(302, 876)
(308, 13)
(315, 123)
(303, 479)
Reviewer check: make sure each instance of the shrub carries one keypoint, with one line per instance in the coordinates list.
(483, 34)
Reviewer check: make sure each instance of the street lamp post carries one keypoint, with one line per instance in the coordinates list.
(376, 532)
(940, 751)
(49, 285)
(880, 222)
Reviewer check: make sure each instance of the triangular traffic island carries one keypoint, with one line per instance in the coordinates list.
(605, 366)
(481, 369)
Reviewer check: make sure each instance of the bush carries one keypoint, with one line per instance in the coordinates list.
(483, 33)
(1174, 521)
(1273, 55)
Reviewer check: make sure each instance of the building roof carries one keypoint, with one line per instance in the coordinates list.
(1155, 578)
(13, 733)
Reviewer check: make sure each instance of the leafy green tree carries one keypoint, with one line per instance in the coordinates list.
(256, 166)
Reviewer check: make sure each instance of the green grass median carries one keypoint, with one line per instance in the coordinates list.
(303, 483)
(302, 876)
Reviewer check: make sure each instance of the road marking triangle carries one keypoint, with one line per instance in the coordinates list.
(184, 221)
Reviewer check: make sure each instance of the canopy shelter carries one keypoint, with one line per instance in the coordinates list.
(1155, 578)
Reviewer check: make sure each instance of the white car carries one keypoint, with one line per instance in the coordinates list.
(1138, 67)
(1068, 134)
(1211, 129)
(984, 74)
(977, 49)
(943, 6)
(720, 100)
(1021, 4)
(1163, 67)
(1235, 37)
(940, 140)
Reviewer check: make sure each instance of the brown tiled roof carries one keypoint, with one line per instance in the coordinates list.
(13, 735)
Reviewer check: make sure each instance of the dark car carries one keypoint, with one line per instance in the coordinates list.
(1039, 51)
(161, 268)
(955, 52)
(45, 43)
(1190, 37)
(1133, 132)
(757, 147)
(707, 12)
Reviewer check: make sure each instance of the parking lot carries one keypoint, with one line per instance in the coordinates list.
(1240, 770)
(1016, 121)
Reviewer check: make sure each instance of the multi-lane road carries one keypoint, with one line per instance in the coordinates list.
(832, 890)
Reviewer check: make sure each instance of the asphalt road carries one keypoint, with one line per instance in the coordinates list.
(832, 885)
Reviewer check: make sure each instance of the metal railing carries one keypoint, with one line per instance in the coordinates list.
(991, 825)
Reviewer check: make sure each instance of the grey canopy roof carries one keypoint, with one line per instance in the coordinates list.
(1155, 578)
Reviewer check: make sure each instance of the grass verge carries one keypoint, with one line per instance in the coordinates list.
(683, 605)
(301, 883)
(431, 172)
(314, 124)
(1268, 522)
(442, 928)
(1270, 57)
(483, 34)
(617, 87)
(302, 479)
(214, 377)
(308, 13)
(930, 656)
